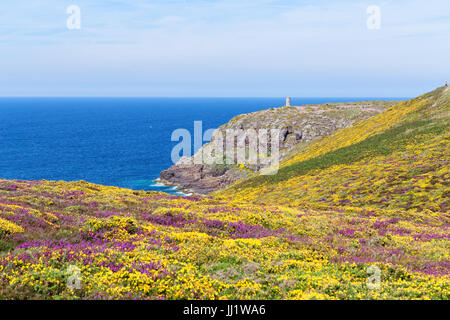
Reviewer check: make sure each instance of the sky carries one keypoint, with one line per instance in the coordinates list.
(224, 48)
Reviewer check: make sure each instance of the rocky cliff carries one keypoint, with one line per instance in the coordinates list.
(298, 125)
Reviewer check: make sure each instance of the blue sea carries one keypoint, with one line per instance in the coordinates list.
(124, 142)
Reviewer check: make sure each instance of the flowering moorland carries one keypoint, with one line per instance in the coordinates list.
(375, 194)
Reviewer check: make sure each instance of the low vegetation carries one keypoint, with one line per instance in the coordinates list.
(360, 214)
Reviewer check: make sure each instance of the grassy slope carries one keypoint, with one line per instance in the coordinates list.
(309, 120)
(373, 194)
(398, 159)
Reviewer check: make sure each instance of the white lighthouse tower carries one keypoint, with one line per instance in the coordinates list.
(288, 102)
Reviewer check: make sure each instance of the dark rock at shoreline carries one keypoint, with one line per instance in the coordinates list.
(197, 178)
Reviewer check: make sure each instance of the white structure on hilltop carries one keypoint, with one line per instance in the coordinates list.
(288, 102)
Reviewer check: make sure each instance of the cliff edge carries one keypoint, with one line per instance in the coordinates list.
(298, 125)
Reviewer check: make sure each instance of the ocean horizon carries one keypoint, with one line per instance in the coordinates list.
(115, 141)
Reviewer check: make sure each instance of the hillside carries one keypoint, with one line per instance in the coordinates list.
(396, 160)
(362, 213)
(298, 126)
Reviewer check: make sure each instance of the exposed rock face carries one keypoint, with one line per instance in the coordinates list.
(296, 124)
(198, 178)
